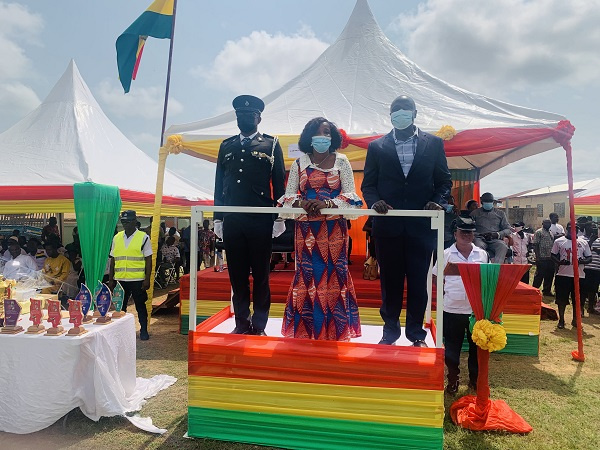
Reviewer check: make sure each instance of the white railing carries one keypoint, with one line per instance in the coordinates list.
(437, 223)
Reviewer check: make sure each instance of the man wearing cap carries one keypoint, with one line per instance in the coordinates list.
(522, 242)
(18, 265)
(250, 172)
(457, 308)
(131, 265)
(405, 169)
(492, 227)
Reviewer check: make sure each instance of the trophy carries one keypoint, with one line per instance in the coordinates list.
(97, 291)
(118, 295)
(85, 297)
(35, 315)
(54, 317)
(76, 317)
(103, 300)
(12, 312)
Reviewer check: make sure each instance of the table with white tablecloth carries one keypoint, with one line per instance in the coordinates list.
(43, 377)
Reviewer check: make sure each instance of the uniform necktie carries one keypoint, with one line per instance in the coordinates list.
(245, 141)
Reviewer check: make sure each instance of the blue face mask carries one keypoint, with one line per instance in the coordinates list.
(402, 119)
(321, 144)
(449, 208)
(488, 206)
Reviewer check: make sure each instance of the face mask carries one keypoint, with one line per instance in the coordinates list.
(321, 144)
(402, 119)
(488, 206)
(449, 208)
(246, 123)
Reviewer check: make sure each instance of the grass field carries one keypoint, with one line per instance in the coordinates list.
(559, 397)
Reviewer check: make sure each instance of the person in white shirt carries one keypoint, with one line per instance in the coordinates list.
(556, 228)
(19, 266)
(457, 308)
(521, 243)
(564, 281)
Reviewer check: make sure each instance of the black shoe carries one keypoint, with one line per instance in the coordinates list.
(259, 332)
(452, 387)
(240, 330)
(386, 341)
(561, 324)
(420, 343)
(144, 336)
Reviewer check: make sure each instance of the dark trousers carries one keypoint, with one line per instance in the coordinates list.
(247, 240)
(140, 296)
(525, 278)
(591, 283)
(544, 271)
(455, 328)
(400, 258)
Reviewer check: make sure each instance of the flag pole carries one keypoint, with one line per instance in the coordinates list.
(160, 175)
(164, 120)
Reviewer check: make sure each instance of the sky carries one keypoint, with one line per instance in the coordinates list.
(541, 54)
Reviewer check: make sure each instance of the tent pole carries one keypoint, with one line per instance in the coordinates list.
(160, 175)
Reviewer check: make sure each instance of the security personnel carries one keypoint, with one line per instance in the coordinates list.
(131, 265)
(250, 172)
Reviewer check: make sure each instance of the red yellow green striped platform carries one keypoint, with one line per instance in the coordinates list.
(296, 393)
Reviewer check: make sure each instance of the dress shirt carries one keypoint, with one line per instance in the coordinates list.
(406, 151)
(455, 296)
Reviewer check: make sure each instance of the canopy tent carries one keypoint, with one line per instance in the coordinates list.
(587, 202)
(68, 139)
(353, 83)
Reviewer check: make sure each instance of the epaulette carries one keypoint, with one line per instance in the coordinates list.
(268, 136)
(232, 137)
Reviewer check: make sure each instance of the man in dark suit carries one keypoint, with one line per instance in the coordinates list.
(248, 166)
(405, 169)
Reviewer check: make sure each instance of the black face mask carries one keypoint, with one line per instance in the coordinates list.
(246, 124)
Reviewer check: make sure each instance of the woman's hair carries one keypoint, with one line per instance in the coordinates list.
(311, 129)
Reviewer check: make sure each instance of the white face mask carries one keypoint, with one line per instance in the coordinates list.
(402, 119)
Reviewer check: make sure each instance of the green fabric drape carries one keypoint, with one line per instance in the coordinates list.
(97, 209)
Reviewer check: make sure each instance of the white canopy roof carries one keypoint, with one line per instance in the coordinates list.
(592, 188)
(68, 139)
(353, 83)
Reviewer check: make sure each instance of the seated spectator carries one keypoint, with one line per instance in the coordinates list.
(6, 256)
(37, 252)
(56, 267)
(491, 228)
(75, 246)
(18, 265)
(471, 205)
(50, 230)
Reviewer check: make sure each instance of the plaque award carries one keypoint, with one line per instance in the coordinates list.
(85, 297)
(76, 317)
(97, 291)
(35, 315)
(118, 295)
(54, 317)
(12, 312)
(103, 300)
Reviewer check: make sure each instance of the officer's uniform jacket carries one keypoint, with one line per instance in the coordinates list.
(249, 176)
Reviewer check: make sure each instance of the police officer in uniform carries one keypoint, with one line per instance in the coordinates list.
(250, 172)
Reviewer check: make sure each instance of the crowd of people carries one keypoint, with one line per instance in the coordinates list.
(42, 261)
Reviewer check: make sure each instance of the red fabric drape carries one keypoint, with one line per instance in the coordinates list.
(510, 275)
(486, 140)
(471, 276)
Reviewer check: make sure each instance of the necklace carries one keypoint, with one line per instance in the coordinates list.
(324, 159)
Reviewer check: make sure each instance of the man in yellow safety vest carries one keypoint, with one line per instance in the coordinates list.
(131, 265)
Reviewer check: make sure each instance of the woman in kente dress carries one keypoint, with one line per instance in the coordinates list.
(321, 302)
